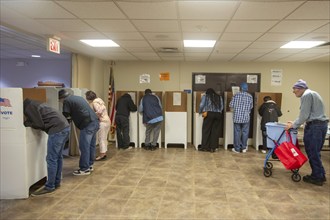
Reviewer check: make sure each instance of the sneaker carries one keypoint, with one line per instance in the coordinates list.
(244, 150)
(263, 151)
(233, 150)
(43, 191)
(81, 172)
(91, 168)
(312, 180)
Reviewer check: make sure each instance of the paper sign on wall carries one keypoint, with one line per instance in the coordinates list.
(276, 77)
(177, 98)
(164, 76)
(145, 78)
(200, 79)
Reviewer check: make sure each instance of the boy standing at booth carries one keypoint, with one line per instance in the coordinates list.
(41, 116)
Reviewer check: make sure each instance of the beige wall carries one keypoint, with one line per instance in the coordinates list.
(94, 74)
(316, 74)
(90, 73)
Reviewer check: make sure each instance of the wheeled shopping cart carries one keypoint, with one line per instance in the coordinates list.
(275, 137)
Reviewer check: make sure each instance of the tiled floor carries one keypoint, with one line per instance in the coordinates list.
(178, 184)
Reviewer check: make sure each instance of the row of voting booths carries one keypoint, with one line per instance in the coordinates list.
(174, 105)
(24, 149)
(223, 84)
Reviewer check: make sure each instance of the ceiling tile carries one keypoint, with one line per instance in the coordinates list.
(301, 26)
(240, 37)
(265, 9)
(162, 36)
(149, 10)
(124, 36)
(203, 26)
(37, 9)
(111, 25)
(249, 26)
(205, 10)
(93, 9)
(312, 10)
(157, 25)
(65, 24)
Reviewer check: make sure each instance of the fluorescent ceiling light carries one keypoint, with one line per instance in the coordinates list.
(35, 56)
(100, 43)
(302, 44)
(199, 43)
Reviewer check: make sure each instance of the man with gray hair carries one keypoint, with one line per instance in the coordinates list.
(311, 113)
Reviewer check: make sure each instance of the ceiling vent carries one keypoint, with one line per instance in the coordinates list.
(168, 50)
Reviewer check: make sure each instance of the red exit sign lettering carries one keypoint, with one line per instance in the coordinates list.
(53, 45)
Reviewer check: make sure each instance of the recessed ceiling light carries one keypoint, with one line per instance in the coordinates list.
(302, 44)
(100, 43)
(37, 56)
(199, 43)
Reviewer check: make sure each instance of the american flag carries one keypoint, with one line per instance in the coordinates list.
(112, 104)
(5, 102)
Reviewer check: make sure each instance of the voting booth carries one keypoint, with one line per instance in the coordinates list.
(228, 123)
(198, 120)
(142, 127)
(23, 149)
(176, 118)
(258, 100)
(133, 119)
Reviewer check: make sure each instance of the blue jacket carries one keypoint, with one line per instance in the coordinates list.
(152, 109)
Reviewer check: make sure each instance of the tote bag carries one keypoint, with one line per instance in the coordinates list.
(290, 156)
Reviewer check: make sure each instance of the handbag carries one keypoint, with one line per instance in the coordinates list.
(290, 156)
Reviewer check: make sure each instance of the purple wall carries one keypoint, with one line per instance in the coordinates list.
(27, 73)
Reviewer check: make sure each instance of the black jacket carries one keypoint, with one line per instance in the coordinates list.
(269, 112)
(43, 117)
(125, 105)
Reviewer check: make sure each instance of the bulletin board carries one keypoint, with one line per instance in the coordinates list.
(176, 101)
(35, 94)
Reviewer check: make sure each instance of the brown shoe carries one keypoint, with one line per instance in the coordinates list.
(101, 157)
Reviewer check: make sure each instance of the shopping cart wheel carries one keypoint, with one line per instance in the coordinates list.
(269, 165)
(296, 177)
(267, 172)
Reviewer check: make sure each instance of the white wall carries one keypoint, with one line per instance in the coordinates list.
(127, 74)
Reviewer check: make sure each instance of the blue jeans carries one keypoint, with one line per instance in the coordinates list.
(54, 158)
(87, 145)
(314, 136)
(241, 135)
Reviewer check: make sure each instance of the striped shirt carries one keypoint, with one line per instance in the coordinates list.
(242, 103)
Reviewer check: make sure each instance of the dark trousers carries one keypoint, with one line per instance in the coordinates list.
(211, 131)
(122, 131)
(314, 137)
(264, 140)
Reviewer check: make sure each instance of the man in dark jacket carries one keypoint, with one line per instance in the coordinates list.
(151, 107)
(84, 117)
(41, 116)
(269, 112)
(124, 106)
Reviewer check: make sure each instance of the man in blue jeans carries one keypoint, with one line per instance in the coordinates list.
(242, 103)
(311, 112)
(41, 116)
(77, 109)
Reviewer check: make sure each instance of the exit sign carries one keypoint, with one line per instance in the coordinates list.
(53, 45)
